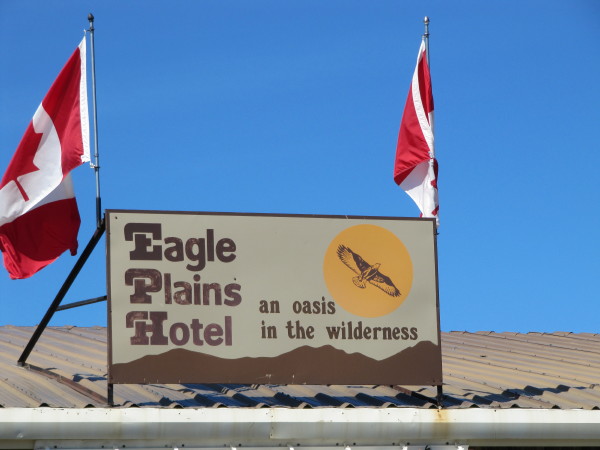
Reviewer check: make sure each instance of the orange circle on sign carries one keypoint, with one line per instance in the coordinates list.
(368, 270)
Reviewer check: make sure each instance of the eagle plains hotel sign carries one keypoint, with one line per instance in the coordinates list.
(248, 298)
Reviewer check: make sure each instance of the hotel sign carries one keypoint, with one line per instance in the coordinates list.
(256, 298)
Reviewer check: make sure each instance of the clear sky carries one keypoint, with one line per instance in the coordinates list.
(294, 107)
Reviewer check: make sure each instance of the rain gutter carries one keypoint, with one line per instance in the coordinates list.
(278, 427)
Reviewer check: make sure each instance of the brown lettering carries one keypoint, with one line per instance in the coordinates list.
(137, 278)
(137, 232)
(136, 320)
(185, 333)
(225, 249)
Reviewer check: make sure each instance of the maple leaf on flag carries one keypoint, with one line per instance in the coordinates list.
(23, 164)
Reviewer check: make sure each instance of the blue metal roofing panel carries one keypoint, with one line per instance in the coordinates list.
(481, 370)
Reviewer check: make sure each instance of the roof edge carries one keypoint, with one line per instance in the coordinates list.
(277, 427)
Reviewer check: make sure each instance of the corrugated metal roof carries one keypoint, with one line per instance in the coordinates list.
(484, 369)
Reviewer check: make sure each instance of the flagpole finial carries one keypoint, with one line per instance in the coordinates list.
(91, 19)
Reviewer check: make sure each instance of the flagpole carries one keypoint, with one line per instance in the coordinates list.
(440, 387)
(96, 164)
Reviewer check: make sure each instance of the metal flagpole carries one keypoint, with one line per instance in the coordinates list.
(99, 219)
(440, 387)
(96, 163)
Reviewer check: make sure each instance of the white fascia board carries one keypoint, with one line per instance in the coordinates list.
(279, 427)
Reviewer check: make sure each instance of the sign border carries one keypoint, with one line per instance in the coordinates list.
(109, 212)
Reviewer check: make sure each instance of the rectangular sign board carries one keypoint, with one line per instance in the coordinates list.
(285, 299)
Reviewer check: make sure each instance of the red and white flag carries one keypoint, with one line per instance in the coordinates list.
(39, 218)
(415, 168)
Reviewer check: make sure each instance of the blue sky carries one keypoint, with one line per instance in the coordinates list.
(294, 107)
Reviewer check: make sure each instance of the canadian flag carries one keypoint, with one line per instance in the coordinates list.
(39, 218)
(415, 168)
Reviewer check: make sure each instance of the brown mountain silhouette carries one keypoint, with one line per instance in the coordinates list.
(418, 365)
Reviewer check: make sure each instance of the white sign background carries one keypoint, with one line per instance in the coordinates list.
(277, 258)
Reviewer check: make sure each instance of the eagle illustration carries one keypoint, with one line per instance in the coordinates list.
(366, 272)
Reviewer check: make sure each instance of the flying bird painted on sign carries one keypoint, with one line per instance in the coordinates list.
(366, 272)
